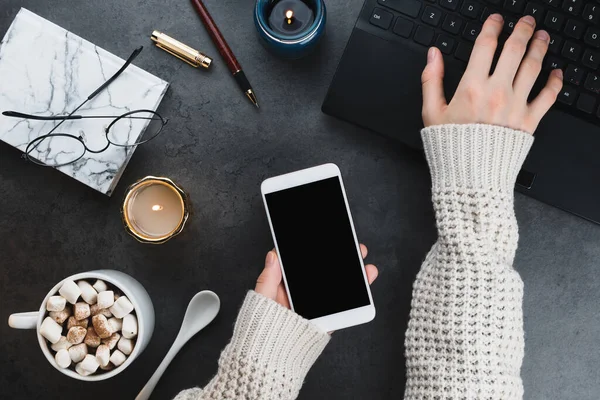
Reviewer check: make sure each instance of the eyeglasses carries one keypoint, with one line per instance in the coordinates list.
(72, 148)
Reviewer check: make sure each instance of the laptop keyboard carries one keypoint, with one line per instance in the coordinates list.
(453, 26)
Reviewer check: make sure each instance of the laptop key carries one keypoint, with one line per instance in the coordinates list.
(470, 9)
(591, 59)
(574, 28)
(571, 50)
(381, 18)
(403, 27)
(573, 74)
(463, 51)
(424, 35)
(554, 21)
(509, 24)
(553, 3)
(406, 7)
(592, 83)
(567, 95)
(445, 43)
(472, 30)
(431, 16)
(536, 11)
(485, 14)
(591, 13)
(555, 43)
(573, 7)
(592, 37)
(552, 62)
(452, 24)
(449, 4)
(514, 6)
(586, 103)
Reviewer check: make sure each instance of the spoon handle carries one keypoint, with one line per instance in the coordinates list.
(147, 390)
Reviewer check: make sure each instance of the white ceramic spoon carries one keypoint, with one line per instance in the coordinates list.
(203, 308)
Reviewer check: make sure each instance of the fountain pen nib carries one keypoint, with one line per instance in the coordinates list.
(252, 97)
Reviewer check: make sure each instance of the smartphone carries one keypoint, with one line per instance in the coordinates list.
(320, 256)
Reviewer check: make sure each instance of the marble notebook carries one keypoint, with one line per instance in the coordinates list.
(47, 70)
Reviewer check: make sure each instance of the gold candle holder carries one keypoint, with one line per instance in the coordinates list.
(155, 209)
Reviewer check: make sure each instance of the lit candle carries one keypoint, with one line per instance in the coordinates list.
(155, 209)
(291, 17)
(290, 28)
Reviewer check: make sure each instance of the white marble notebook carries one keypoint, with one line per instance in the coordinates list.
(47, 70)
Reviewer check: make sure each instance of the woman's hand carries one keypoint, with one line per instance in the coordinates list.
(270, 281)
(500, 98)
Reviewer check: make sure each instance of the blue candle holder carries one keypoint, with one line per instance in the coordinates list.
(290, 46)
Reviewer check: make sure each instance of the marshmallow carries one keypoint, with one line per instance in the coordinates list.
(62, 358)
(61, 316)
(70, 291)
(112, 341)
(91, 338)
(100, 286)
(116, 324)
(90, 364)
(62, 343)
(56, 303)
(76, 334)
(130, 326)
(101, 326)
(108, 367)
(51, 330)
(117, 358)
(106, 299)
(81, 310)
(88, 293)
(81, 371)
(122, 307)
(73, 322)
(78, 352)
(95, 310)
(103, 355)
(125, 345)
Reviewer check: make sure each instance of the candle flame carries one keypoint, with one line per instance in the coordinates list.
(157, 207)
(289, 14)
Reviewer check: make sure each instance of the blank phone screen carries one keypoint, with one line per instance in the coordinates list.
(317, 248)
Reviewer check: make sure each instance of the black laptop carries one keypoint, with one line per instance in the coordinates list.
(377, 84)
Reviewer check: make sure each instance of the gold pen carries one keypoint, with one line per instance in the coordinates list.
(180, 50)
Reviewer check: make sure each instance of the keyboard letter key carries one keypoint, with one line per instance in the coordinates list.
(452, 24)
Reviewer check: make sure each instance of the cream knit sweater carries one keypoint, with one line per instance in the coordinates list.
(465, 334)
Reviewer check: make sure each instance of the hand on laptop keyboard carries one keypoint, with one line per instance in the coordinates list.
(499, 98)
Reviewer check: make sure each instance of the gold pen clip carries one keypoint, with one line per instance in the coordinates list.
(180, 50)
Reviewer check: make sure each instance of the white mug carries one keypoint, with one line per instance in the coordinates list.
(130, 288)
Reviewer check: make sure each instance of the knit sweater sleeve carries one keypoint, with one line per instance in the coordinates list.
(465, 333)
(269, 355)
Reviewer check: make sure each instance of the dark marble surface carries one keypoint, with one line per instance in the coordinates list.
(220, 148)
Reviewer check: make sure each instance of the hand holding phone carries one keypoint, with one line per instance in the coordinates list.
(321, 264)
(270, 280)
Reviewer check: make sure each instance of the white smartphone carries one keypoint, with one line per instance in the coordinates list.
(320, 256)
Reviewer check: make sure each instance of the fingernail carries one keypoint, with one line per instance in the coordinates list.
(528, 19)
(270, 259)
(496, 17)
(431, 54)
(558, 73)
(542, 35)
